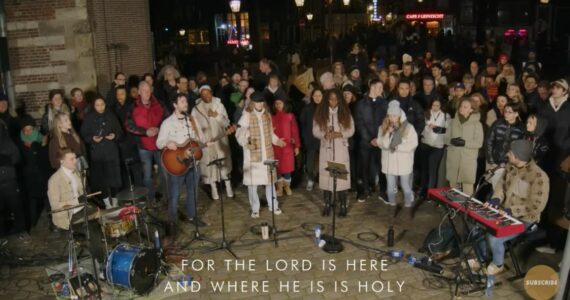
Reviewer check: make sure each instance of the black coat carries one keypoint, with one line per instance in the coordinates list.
(558, 131)
(35, 169)
(532, 99)
(9, 156)
(499, 141)
(369, 115)
(96, 124)
(128, 142)
(306, 122)
(414, 113)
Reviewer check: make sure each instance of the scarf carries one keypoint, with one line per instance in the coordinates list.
(35, 136)
(79, 108)
(255, 135)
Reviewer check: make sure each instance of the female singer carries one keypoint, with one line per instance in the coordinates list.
(333, 125)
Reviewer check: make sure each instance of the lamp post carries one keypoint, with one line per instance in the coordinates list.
(235, 6)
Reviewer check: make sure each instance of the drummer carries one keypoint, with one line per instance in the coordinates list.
(64, 190)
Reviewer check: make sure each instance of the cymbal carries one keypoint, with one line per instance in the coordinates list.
(66, 208)
(135, 194)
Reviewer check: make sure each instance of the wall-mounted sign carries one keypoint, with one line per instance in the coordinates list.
(424, 16)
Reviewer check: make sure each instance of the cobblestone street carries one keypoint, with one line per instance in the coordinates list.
(22, 280)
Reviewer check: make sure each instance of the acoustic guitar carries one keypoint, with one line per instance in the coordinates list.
(178, 162)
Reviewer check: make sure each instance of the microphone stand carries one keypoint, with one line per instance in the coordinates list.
(333, 244)
(197, 236)
(271, 164)
(224, 244)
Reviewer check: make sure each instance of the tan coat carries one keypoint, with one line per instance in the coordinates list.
(60, 194)
(334, 150)
(461, 162)
(213, 129)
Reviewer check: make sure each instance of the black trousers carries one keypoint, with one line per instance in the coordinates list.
(369, 166)
(429, 160)
(312, 163)
(12, 217)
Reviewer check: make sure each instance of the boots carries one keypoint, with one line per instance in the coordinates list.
(327, 208)
(215, 195)
(342, 211)
(229, 190)
(114, 202)
(287, 187)
(279, 188)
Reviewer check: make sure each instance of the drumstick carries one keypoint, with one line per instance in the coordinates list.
(93, 194)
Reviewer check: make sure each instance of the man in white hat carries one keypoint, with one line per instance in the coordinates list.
(212, 118)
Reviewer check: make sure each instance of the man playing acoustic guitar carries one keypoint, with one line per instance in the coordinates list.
(176, 131)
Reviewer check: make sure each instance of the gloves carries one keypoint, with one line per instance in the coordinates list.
(458, 142)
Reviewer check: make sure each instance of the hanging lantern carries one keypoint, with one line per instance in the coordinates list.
(299, 3)
(309, 16)
(346, 2)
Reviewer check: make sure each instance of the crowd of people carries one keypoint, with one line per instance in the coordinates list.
(413, 123)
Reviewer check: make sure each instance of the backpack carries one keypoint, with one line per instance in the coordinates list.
(440, 243)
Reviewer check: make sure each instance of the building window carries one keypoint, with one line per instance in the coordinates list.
(238, 22)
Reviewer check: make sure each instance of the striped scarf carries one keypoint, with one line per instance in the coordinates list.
(255, 136)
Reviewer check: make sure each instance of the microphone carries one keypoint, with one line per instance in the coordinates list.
(216, 161)
(271, 162)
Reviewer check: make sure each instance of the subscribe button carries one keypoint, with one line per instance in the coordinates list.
(541, 282)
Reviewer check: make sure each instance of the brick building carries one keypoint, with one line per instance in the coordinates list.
(62, 44)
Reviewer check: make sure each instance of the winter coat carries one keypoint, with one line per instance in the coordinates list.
(539, 141)
(285, 127)
(35, 169)
(9, 156)
(414, 112)
(370, 115)
(78, 147)
(558, 130)
(46, 122)
(401, 161)
(97, 124)
(213, 129)
(524, 191)
(461, 165)
(254, 173)
(532, 99)
(435, 137)
(128, 142)
(143, 118)
(335, 150)
(499, 141)
(306, 123)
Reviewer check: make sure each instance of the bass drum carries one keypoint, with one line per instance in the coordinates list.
(133, 267)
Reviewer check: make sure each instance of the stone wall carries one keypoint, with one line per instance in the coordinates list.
(50, 46)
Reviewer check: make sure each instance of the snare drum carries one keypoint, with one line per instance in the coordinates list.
(114, 226)
(133, 267)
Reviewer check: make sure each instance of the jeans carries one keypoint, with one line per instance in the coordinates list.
(496, 244)
(254, 198)
(430, 158)
(174, 184)
(149, 158)
(406, 187)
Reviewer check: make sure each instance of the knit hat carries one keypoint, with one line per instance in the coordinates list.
(204, 87)
(522, 149)
(3, 97)
(394, 108)
(257, 97)
(406, 58)
(27, 120)
(561, 83)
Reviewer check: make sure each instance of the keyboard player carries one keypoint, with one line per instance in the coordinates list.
(522, 192)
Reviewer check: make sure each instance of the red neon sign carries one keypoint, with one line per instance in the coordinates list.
(424, 16)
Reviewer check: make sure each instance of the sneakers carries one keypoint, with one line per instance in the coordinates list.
(310, 185)
(474, 265)
(546, 250)
(255, 214)
(361, 198)
(493, 269)
(276, 212)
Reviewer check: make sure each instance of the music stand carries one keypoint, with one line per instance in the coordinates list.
(336, 171)
(224, 244)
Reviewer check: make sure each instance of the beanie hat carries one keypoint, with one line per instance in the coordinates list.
(522, 149)
(394, 108)
(257, 97)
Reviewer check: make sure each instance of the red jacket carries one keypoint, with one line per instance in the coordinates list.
(285, 127)
(143, 117)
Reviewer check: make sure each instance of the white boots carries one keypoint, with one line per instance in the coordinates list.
(229, 190)
(110, 202)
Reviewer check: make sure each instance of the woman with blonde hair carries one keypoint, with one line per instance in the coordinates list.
(514, 94)
(339, 76)
(64, 136)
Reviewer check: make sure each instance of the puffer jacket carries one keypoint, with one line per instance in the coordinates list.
(500, 137)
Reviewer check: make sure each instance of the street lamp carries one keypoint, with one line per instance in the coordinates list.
(346, 2)
(182, 31)
(544, 1)
(309, 16)
(299, 3)
(235, 6)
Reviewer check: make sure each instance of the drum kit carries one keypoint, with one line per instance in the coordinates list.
(129, 266)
